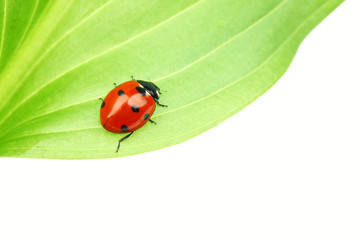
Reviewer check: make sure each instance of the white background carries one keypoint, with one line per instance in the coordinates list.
(286, 167)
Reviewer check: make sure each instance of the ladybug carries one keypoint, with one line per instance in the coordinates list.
(129, 106)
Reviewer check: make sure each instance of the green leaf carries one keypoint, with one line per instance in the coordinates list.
(213, 58)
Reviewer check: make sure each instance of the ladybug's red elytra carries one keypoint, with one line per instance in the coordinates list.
(129, 106)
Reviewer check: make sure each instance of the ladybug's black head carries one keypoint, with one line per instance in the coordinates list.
(151, 88)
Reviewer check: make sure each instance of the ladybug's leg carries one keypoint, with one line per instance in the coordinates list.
(115, 85)
(152, 121)
(103, 102)
(132, 78)
(161, 105)
(122, 139)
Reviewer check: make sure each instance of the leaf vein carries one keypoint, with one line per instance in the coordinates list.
(251, 26)
(59, 40)
(27, 27)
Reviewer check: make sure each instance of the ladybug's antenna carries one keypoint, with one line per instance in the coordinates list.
(122, 139)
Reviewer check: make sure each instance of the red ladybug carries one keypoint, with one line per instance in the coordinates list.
(129, 106)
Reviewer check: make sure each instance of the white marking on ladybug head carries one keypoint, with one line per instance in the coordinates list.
(146, 92)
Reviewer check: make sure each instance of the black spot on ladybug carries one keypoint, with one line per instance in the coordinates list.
(135, 108)
(121, 93)
(103, 104)
(124, 128)
(141, 91)
(146, 116)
